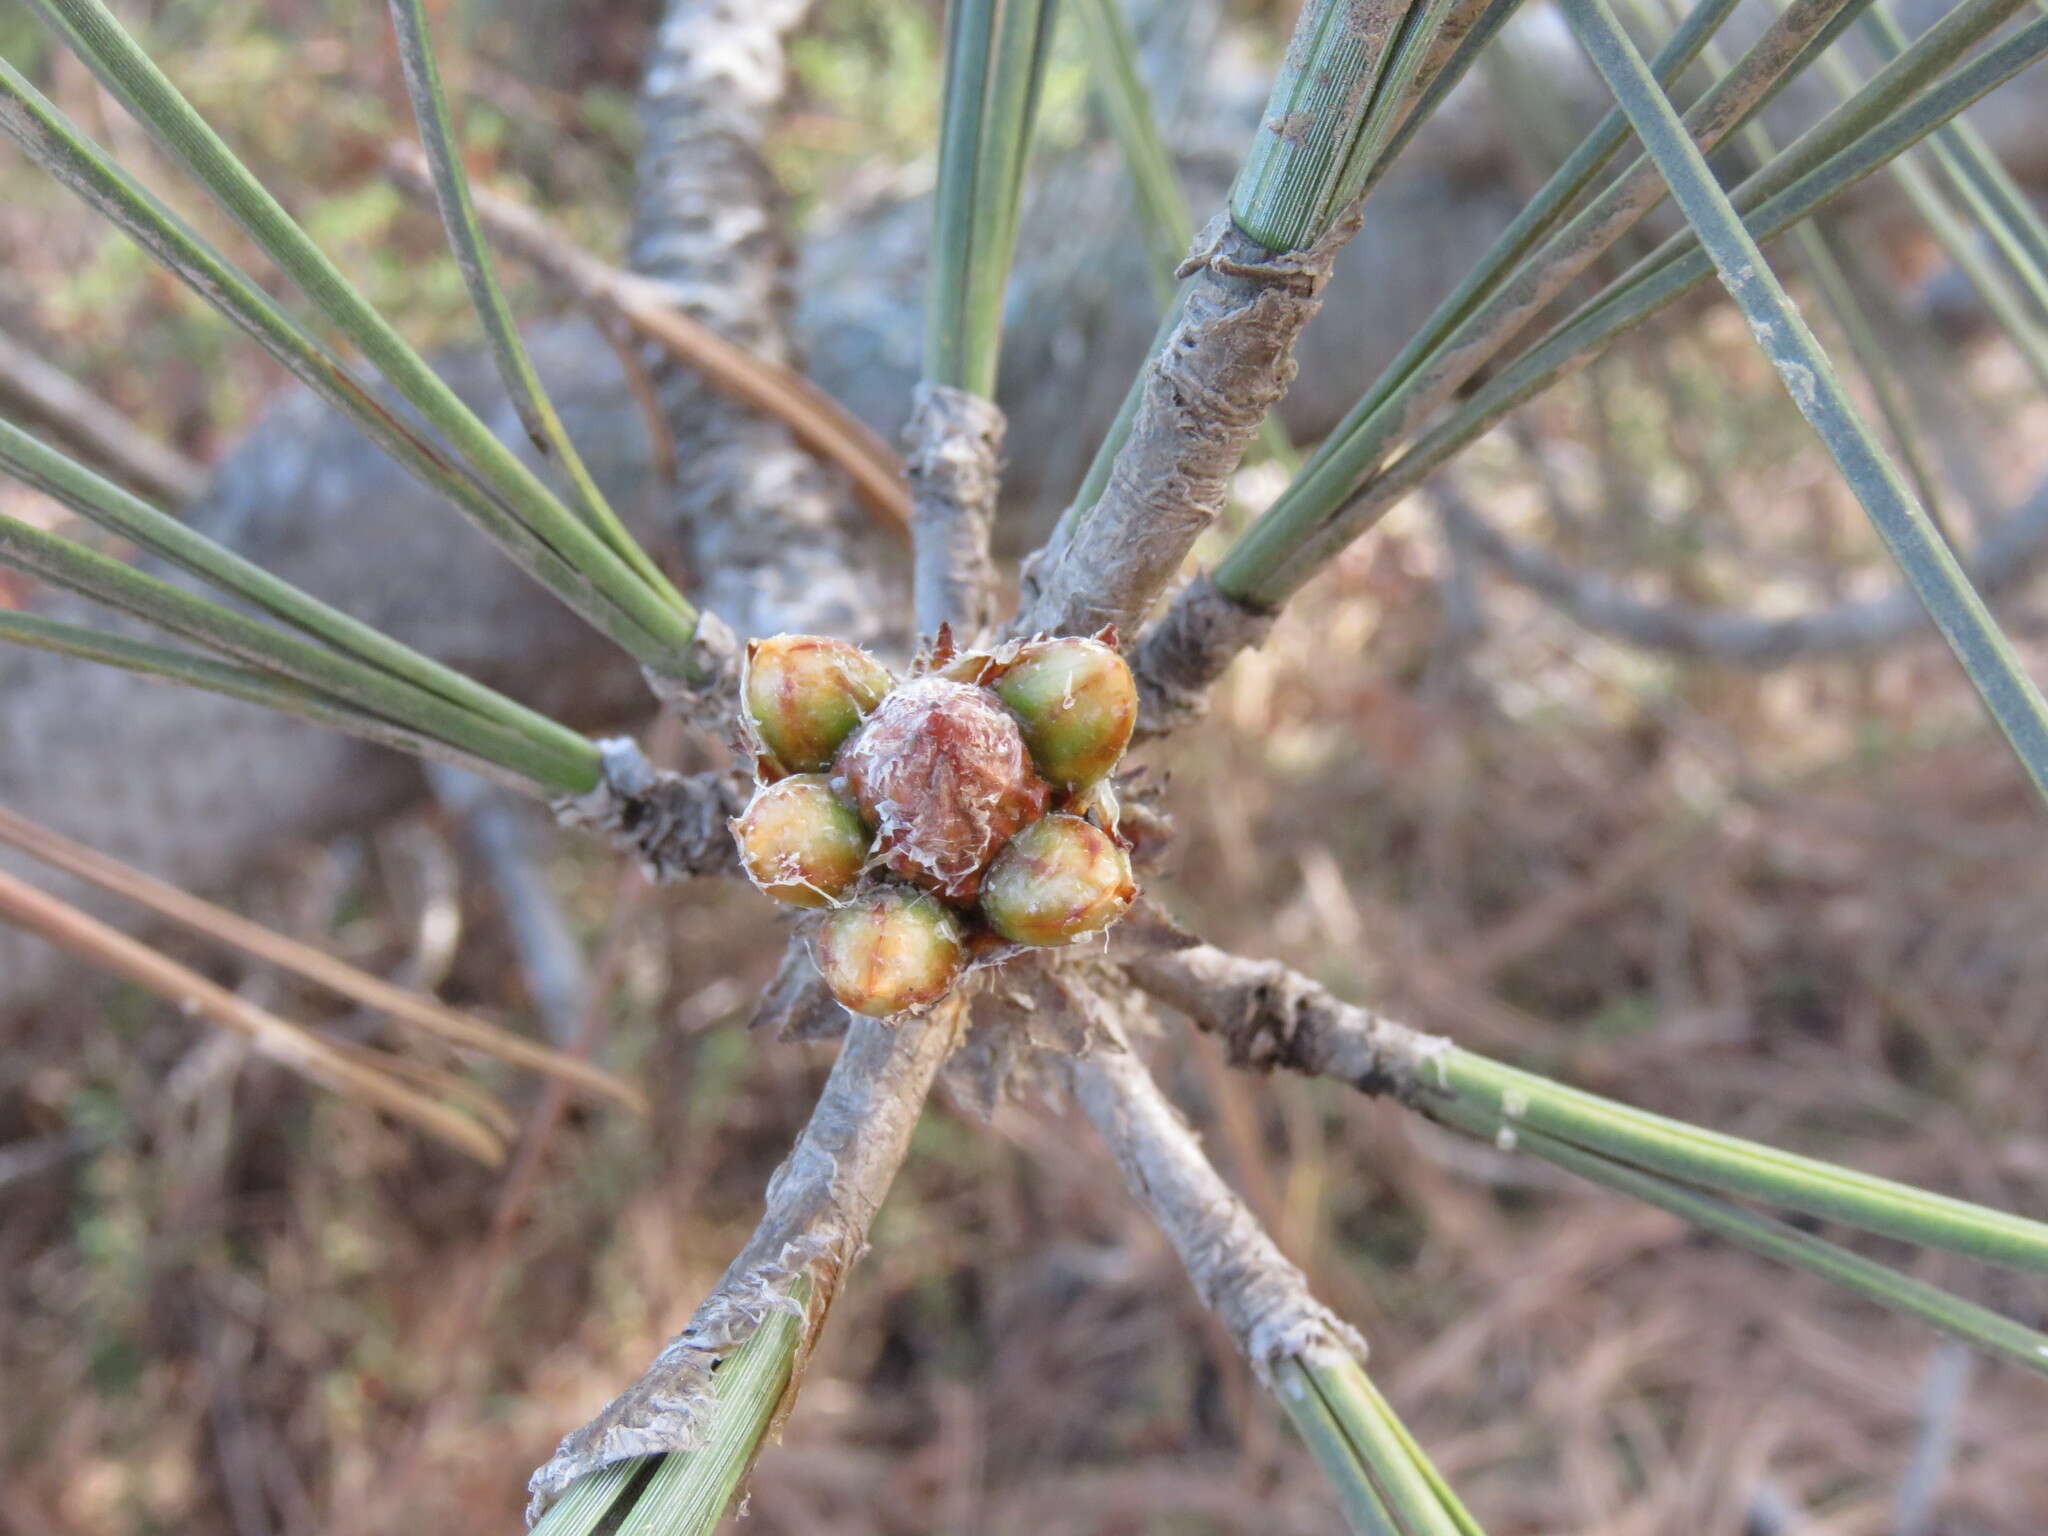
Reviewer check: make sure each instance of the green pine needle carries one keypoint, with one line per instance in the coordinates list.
(101, 501)
(1384, 1482)
(127, 71)
(1789, 189)
(546, 757)
(52, 141)
(1777, 1240)
(255, 686)
(996, 54)
(1493, 1100)
(687, 1494)
(1930, 566)
(472, 255)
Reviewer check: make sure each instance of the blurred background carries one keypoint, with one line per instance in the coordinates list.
(1494, 774)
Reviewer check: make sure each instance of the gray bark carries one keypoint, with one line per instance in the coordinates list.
(1239, 1272)
(774, 545)
(954, 444)
(1227, 361)
(820, 1204)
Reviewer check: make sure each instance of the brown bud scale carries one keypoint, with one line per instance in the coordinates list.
(940, 770)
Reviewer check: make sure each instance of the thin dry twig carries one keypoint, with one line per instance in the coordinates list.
(1934, 1446)
(97, 426)
(316, 965)
(814, 418)
(502, 829)
(469, 1307)
(2001, 560)
(283, 1042)
(819, 1206)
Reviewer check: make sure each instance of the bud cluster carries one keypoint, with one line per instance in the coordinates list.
(943, 819)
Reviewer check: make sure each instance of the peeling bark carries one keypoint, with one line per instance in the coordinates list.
(1269, 1016)
(1226, 363)
(674, 824)
(1178, 658)
(820, 1204)
(954, 445)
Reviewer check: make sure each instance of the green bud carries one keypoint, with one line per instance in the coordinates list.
(800, 842)
(1078, 704)
(1060, 879)
(805, 695)
(892, 949)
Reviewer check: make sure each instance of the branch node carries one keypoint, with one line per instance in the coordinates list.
(675, 824)
(702, 694)
(1186, 651)
(1269, 1016)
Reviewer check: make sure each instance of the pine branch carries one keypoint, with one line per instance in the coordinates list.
(1260, 1296)
(819, 1206)
(1910, 100)
(954, 444)
(765, 528)
(1435, 368)
(1270, 1016)
(1225, 363)
(1304, 1354)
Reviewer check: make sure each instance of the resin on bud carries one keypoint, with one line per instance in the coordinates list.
(805, 695)
(940, 771)
(1078, 705)
(890, 950)
(1061, 879)
(801, 843)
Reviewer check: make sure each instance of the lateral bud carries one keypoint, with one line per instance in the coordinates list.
(1062, 878)
(890, 950)
(800, 843)
(804, 695)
